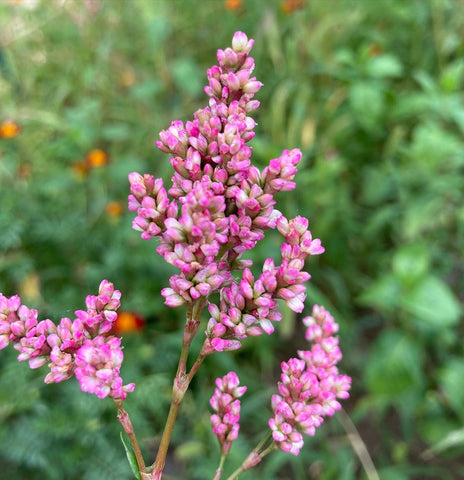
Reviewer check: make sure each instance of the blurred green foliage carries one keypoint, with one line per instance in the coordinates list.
(371, 91)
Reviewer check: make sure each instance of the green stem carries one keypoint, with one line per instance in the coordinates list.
(254, 457)
(218, 473)
(158, 466)
(195, 366)
(180, 385)
(126, 423)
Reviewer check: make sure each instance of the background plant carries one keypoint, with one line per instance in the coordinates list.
(371, 92)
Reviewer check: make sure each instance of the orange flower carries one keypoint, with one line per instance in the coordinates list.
(127, 78)
(9, 129)
(80, 168)
(96, 158)
(128, 322)
(232, 4)
(288, 6)
(113, 209)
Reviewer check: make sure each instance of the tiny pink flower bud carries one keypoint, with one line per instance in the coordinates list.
(172, 298)
(233, 81)
(240, 42)
(252, 87)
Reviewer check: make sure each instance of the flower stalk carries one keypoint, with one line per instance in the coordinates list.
(266, 446)
(180, 385)
(126, 423)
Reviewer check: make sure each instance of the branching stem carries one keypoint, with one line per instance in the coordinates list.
(180, 385)
(265, 446)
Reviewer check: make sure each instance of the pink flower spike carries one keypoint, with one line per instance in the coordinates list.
(227, 407)
(309, 386)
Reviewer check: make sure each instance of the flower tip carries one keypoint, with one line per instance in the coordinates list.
(135, 177)
(240, 42)
(130, 387)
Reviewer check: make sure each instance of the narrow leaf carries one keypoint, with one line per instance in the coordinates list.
(452, 439)
(130, 457)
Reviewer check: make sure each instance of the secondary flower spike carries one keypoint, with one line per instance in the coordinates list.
(73, 346)
(310, 385)
(226, 404)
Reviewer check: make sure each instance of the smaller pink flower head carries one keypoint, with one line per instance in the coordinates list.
(310, 385)
(225, 422)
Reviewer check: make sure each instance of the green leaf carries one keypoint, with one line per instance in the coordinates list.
(380, 220)
(452, 383)
(452, 76)
(410, 263)
(158, 29)
(394, 367)
(116, 132)
(377, 186)
(432, 301)
(367, 102)
(421, 216)
(452, 439)
(130, 456)
(432, 147)
(410, 105)
(189, 450)
(146, 90)
(187, 76)
(393, 473)
(425, 80)
(434, 428)
(382, 294)
(385, 66)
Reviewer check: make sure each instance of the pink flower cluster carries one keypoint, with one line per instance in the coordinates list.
(81, 347)
(219, 206)
(310, 385)
(249, 306)
(225, 402)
